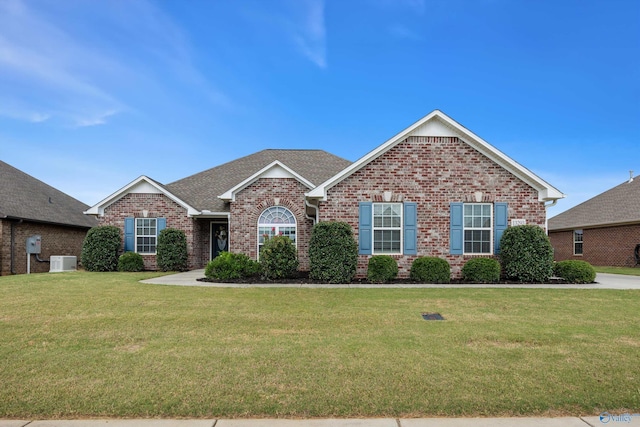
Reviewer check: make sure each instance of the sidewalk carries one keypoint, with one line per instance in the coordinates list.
(631, 420)
(603, 281)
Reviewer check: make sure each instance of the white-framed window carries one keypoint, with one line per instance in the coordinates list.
(387, 228)
(577, 242)
(146, 235)
(478, 228)
(276, 220)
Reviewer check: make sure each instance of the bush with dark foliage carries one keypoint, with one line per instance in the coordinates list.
(481, 270)
(430, 270)
(382, 268)
(100, 249)
(333, 253)
(278, 258)
(130, 261)
(575, 271)
(526, 254)
(171, 251)
(232, 266)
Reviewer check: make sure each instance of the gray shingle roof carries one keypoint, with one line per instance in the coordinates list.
(619, 205)
(202, 189)
(25, 197)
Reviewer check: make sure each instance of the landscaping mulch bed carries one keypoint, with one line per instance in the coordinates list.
(302, 278)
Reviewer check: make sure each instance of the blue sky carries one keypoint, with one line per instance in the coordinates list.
(94, 93)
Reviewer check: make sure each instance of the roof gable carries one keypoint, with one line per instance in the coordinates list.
(142, 184)
(25, 197)
(437, 123)
(273, 170)
(617, 206)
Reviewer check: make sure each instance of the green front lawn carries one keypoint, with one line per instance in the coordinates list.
(619, 270)
(103, 345)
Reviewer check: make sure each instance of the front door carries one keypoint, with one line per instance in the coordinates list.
(219, 237)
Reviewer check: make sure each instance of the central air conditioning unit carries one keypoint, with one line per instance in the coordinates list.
(62, 263)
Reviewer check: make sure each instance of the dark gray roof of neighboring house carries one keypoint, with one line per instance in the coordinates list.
(619, 205)
(25, 197)
(202, 189)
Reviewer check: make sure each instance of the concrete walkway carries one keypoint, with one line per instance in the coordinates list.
(603, 281)
(602, 420)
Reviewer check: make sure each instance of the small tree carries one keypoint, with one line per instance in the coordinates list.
(333, 253)
(526, 254)
(100, 249)
(171, 251)
(278, 258)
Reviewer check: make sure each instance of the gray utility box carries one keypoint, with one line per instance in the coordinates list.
(62, 263)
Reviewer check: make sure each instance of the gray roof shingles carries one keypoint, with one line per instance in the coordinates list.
(25, 197)
(619, 205)
(202, 189)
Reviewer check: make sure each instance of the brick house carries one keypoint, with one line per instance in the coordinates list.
(434, 189)
(30, 207)
(604, 230)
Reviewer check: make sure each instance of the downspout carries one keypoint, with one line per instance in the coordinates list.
(546, 220)
(13, 245)
(314, 207)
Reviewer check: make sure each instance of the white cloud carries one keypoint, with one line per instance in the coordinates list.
(310, 35)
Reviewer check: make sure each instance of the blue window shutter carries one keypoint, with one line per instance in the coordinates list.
(500, 218)
(456, 234)
(129, 234)
(365, 238)
(161, 224)
(410, 228)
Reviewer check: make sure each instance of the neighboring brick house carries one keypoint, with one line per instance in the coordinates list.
(435, 189)
(30, 207)
(604, 230)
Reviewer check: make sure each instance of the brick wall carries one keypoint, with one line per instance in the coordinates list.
(432, 171)
(605, 246)
(56, 240)
(253, 200)
(159, 206)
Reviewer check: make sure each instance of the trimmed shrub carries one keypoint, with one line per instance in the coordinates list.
(481, 270)
(526, 254)
(333, 252)
(382, 268)
(171, 251)
(231, 266)
(278, 258)
(130, 261)
(575, 271)
(430, 270)
(100, 249)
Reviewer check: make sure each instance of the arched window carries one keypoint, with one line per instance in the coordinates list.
(276, 220)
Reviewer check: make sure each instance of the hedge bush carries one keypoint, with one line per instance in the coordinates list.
(130, 261)
(100, 249)
(575, 271)
(333, 253)
(382, 268)
(430, 270)
(231, 266)
(171, 251)
(278, 258)
(481, 270)
(526, 254)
